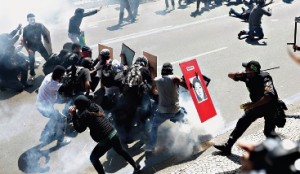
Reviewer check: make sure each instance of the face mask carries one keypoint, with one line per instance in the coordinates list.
(31, 21)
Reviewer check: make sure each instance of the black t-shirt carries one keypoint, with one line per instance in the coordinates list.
(100, 127)
(32, 35)
(83, 76)
(260, 85)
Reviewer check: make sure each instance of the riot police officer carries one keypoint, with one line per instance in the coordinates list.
(263, 103)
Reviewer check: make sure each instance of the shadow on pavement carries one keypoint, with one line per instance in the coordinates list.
(287, 1)
(35, 159)
(293, 116)
(7, 93)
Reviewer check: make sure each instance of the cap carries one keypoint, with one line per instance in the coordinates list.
(105, 52)
(30, 15)
(253, 65)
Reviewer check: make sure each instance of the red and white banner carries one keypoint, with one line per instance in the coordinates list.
(198, 90)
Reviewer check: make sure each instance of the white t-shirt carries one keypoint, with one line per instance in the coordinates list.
(48, 92)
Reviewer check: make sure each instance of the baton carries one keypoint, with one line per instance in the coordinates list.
(271, 68)
(297, 19)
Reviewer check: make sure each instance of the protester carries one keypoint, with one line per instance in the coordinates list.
(124, 4)
(263, 103)
(12, 64)
(255, 29)
(167, 4)
(9, 39)
(32, 40)
(245, 13)
(46, 98)
(133, 107)
(168, 105)
(75, 22)
(107, 68)
(92, 116)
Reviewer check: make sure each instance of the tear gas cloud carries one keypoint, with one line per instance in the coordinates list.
(181, 139)
(50, 12)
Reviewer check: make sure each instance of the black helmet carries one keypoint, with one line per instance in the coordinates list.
(143, 61)
(167, 69)
(79, 11)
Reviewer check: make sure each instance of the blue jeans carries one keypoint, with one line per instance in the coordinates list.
(157, 120)
(74, 37)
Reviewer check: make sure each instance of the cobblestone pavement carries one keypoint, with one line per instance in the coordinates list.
(211, 162)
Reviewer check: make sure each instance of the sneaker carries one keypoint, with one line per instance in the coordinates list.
(137, 168)
(223, 148)
(26, 85)
(64, 141)
(243, 9)
(230, 11)
(241, 33)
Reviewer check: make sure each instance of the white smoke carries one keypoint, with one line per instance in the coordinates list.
(50, 12)
(185, 139)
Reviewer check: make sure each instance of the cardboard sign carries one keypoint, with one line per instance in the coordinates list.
(47, 45)
(199, 92)
(152, 60)
(129, 54)
(101, 46)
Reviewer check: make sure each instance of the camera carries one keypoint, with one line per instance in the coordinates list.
(276, 156)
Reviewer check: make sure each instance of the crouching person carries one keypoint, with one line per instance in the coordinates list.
(86, 114)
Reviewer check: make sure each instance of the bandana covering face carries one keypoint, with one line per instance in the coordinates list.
(31, 20)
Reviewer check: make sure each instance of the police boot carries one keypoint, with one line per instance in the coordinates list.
(226, 147)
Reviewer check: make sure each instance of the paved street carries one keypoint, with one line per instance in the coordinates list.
(175, 36)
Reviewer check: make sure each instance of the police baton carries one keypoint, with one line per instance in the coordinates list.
(271, 68)
(297, 20)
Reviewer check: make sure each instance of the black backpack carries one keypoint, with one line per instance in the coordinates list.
(133, 81)
(53, 60)
(111, 76)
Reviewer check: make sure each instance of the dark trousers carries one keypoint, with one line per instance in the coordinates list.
(100, 150)
(42, 50)
(167, 3)
(124, 4)
(266, 111)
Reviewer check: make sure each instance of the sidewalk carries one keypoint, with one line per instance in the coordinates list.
(210, 162)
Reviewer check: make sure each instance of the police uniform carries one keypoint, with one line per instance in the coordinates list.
(258, 86)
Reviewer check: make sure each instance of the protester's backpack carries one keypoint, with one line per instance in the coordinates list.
(133, 79)
(111, 76)
(70, 82)
(53, 60)
(64, 58)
